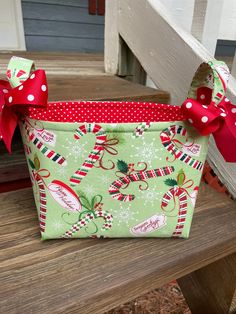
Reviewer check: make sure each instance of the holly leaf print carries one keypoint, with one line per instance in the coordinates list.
(84, 199)
(170, 182)
(122, 166)
(31, 163)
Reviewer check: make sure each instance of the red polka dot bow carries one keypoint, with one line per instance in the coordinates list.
(15, 101)
(211, 118)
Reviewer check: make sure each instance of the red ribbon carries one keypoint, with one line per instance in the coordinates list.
(15, 101)
(209, 118)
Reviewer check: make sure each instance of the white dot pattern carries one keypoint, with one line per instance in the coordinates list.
(189, 105)
(44, 88)
(106, 112)
(30, 97)
(204, 119)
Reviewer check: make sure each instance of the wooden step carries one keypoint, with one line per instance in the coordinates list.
(55, 63)
(74, 87)
(92, 276)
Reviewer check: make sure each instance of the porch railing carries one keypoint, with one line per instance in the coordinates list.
(168, 54)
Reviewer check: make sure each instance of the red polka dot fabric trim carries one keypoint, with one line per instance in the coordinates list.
(107, 112)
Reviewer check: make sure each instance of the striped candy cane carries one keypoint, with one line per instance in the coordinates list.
(170, 146)
(115, 187)
(42, 201)
(88, 218)
(94, 155)
(183, 203)
(57, 158)
(141, 128)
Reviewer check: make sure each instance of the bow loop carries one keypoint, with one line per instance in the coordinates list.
(15, 101)
(217, 120)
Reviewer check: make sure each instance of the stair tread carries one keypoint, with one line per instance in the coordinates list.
(101, 88)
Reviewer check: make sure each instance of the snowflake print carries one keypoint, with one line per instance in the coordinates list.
(57, 225)
(150, 196)
(61, 171)
(105, 179)
(147, 151)
(75, 149)
(124, 215)
(90, 190)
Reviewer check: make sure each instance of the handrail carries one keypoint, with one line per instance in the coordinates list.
(168, 54)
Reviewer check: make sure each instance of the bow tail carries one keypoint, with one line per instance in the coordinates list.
(226, 142)
(8, 123)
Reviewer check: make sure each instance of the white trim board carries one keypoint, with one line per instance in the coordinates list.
(11, 26)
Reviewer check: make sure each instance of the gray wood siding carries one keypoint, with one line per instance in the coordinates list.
(62, 25)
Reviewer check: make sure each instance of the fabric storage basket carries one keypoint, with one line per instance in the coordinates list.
(115, 169)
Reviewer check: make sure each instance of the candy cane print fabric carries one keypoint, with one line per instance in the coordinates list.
(168, 141)
(117, 185)
(94, 155)
(42, 200)
(182, 211)
(83, 222)
(47, 152)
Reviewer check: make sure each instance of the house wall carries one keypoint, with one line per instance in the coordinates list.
(62, 25)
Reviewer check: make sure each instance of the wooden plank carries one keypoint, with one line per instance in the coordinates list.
(102, 88)
(55, 63)
(93, 276)
(39, 11)
(45, 56)
(211, 288)
(68, 29)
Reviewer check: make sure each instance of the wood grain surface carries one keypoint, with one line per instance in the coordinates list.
(211, 289)
(92, 276)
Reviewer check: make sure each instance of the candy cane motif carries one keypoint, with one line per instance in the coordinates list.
(42, 202)
(169, 145)
(94, 155)
(57, 158)
(183, 203)
(88, 218)
(115, 187)
(141, 128)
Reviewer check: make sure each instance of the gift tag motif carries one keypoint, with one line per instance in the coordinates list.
(47, 137)
(170, 143)
(64, 196)
(149, 225)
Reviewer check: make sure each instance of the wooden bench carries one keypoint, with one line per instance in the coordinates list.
(93, 276)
